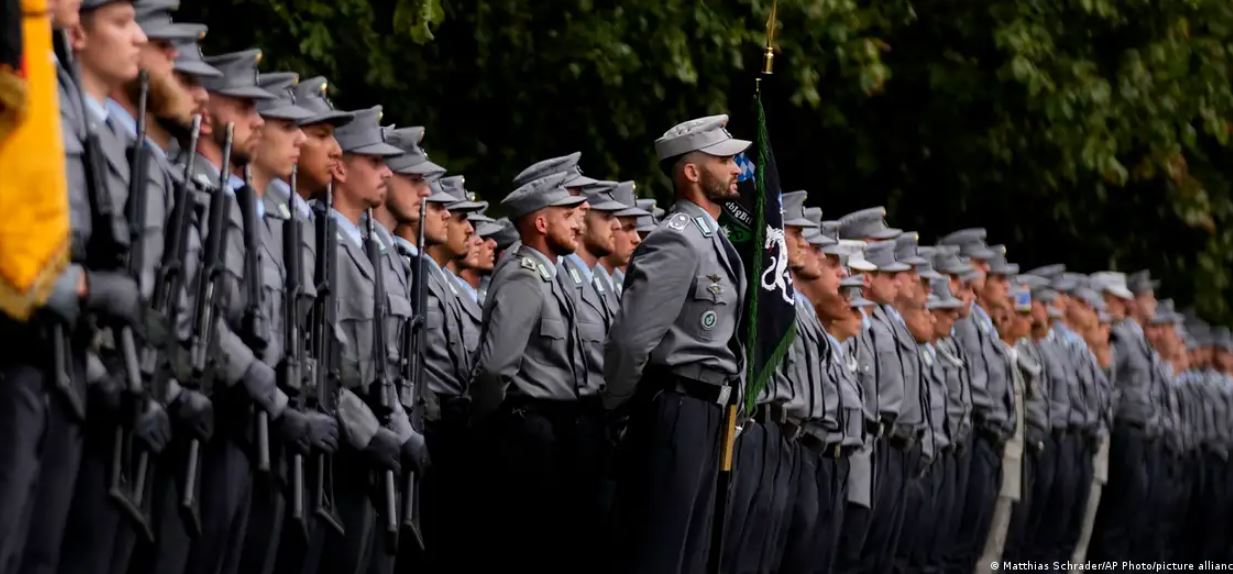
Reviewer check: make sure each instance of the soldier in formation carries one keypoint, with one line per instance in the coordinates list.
(290, 342)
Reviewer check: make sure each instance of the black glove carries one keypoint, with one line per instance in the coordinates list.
(107, 399)
(293, 429)
(194, 413)
(415, 453)
(113, 294)
(384, 450)
(322, 432)
(153, 428)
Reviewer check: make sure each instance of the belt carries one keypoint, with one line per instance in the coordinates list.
(706, 392)
(901, 442)
(880, 428)
(771, 413)
(834, 450)
(991, 436)
(549, 407)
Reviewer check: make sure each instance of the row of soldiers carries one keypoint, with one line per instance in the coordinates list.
(289, 342)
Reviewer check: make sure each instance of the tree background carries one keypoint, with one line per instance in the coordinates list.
(1089, 132)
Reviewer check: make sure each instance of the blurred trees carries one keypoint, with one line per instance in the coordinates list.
(1090, 132)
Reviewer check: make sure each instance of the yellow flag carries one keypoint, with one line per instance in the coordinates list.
(34, 216)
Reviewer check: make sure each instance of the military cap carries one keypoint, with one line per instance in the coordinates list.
(708, 135)
(486, 229)
(1222, 338)
(239, 79)
(414, 160)
(814, 237)
(940, 296)
(1142, 282)
(438, 194)
(645, 224)
(971, 243)
(154, 17)
(998, 265)
(624, 193)
(567, 164)
(364, 136)
(87, 5)
(925, 267)
(313, 95)
(544, 192)
(1091, 297)
(1112, 282)
(867, 224)
(882, 254)
(906, 245)
(658, 213)
(477, 216)
(1068, 282)
(857, 280)
(600, 197)
(855, 293)
(506, 236)
(830, 230)
(648, 205)
(463, 200)
(189, 61)
(1042, 287)
(794, 209)
(282, 107)
(1049, 272)
(854, 251)
(946, 260)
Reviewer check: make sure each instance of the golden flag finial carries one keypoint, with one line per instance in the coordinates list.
(768, 58)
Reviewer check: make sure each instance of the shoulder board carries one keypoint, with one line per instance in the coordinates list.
(534, 267)
(528, 263)
(203, 180)
(678, 221)
(703, 226)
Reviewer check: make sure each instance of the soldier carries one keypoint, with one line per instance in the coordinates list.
(673, 357)
(806, 394)
(950, 417)
(277, 154)
(95, 541)
(610, 273)
(451, 254)
(531, 392)
(375, 426)
(192, 410)
(988, 369)
(1088, 315)
(1118, 528)
(475, 270)
(45, 374)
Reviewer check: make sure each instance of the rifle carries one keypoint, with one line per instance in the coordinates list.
(413, 360)
(123, 488)
(291, 371)
(205, 313)
(325, 376)
(382, 385)
(255, 328)
(168, 281)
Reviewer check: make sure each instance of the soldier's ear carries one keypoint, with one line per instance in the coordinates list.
(77, 36)
(541, 222)
(692, 172)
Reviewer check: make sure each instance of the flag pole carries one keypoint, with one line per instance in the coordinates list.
(727, 437)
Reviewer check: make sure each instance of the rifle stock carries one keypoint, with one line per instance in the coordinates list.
(205, 313)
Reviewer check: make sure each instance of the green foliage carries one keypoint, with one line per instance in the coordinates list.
(1092, 132)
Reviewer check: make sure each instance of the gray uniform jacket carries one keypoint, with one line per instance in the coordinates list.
(990, 370)
(803, 383)
(1035, 391)
(891, 366)
(933, 374)
(680, 308)
(1133, 367)
(842, 367)
(447, 362)
(861, 349)
(607, 288)
(951, 360)
(593, 317)
(530, 346)
(1061, 374)
(472, 314)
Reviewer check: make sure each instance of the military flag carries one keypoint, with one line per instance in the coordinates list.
(754, 224)
(34, 232)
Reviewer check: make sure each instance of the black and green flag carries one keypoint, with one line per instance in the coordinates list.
(754, 224)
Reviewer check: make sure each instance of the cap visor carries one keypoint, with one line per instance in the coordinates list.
(727, 148)
(197, 68)
(831, 249)
(956, 270)
(335, 118)
(888, 233)
(381, 149)
(645, 228)
(895, 267)
(1121, 292)
(1009, 269)
(632, 212)
(802, 222)
(607, 205)
(424, 168)
(579, 180)
(440, 197)
(291, 113)
(172, 31)
(860, 302)
(914, 260)
(980, 253)
(568, 201)
(249, 92)
(949, 304)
